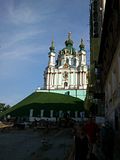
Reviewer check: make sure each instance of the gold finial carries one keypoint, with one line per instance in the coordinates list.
(69, 35)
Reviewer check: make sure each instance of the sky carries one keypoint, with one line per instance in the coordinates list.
(27, 28)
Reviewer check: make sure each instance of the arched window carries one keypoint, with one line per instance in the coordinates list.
(65, 84)
(74, 62)
(67, 61)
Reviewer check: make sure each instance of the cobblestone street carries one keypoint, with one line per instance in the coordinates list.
(27, 145)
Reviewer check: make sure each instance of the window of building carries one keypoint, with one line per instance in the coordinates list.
(65, 84)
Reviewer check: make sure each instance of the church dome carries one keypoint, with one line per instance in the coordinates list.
(69, 41)
(52, 47)
(82, 46)
(69, 44)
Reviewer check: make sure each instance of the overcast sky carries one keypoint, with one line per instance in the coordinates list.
(26, 30)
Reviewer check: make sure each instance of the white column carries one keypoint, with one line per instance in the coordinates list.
(48, 81)
(31, 115)
(76, 79)
(76, 114)
(83, 78)
(31, 112)
(60, 79)
(57, 78)
(42, 112)
(80, 78)
(71, 78)
(51, 113)
(68, 112)
(55, 81)
(60, 113)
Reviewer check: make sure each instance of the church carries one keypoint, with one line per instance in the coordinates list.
(66, 72)
(64, 91)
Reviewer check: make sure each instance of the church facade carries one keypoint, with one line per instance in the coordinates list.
(66, 72)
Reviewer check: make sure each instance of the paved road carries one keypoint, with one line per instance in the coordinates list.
(26, 145)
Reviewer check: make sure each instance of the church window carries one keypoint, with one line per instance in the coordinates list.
(67, 61)
(74, 62)
(65, 84)
(65, 75)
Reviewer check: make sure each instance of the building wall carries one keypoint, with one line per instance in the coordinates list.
(112, 88)
(69, 72)
(81, 94)
(109, 60)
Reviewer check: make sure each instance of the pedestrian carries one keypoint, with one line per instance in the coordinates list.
(107, 140)
(81, 144)
(92, 131)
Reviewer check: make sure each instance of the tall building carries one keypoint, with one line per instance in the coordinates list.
(66, 72)
(109, 61)
(97, 8)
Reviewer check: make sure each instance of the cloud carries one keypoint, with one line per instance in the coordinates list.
(27, 12)
(11, 38)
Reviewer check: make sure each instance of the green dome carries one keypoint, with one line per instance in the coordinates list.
(52, 47)
(69, 41)
(82, 46)
(69, 44)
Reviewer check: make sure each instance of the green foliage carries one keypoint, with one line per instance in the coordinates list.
(4, 107)
(46, 101)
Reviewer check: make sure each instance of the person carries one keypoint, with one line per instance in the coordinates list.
(107, 140)
(92, 130)
(81, 144)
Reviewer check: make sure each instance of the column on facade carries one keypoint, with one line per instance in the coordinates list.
(42, 113)
(71, 77)
(80, 78)
(51, 113)
(55, 80)
(76, 82)
(77, 62)
(50, 79)
(83, 78)
(31, 112)
(47, 83)
(60, 113)
(76, 114)
(60, 79)
(74, 78)
(68, 113)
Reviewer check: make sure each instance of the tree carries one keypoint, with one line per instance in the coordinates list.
(4, 107)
